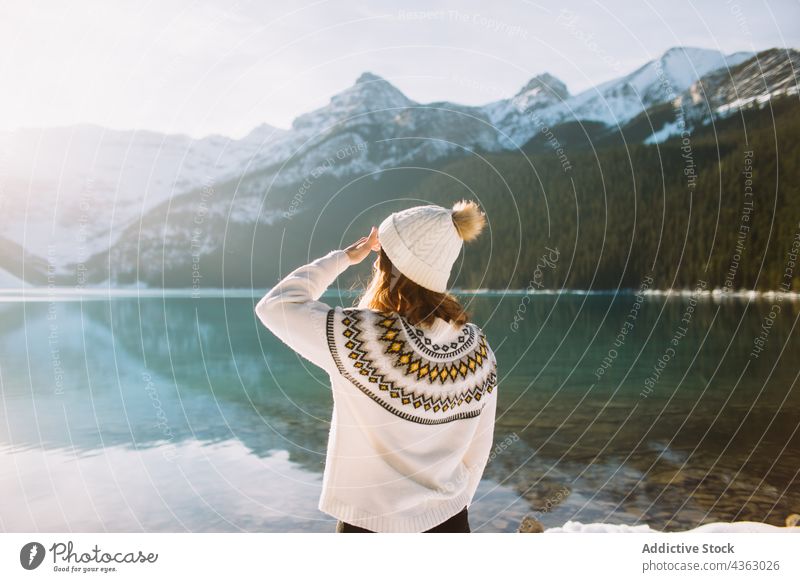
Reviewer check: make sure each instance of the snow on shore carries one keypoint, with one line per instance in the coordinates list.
(716, 527)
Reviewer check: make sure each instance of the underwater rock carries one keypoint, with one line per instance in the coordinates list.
(530, 525)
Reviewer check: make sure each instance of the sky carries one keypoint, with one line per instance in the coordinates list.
(203, 67)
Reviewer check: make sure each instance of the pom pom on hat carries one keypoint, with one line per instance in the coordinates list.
(468, 219)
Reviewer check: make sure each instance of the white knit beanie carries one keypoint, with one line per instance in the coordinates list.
(423, 242)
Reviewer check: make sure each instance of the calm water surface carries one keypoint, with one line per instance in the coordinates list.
(182, 414)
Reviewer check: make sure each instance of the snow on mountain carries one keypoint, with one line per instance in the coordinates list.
(9, 281)
(263, 134)
(659, 81)
(74, 190)
(70, 190)
(372, 126)
(617, 101)
(752, 83)
(542, 93)
(371, 100)
(772, 73)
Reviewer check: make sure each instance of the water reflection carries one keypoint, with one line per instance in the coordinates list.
(183, 414)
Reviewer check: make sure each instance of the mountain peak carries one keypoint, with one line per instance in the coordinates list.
(671, 73)
(547, 84)
(369, 94)
(372, 86)
(367, 77)
(687, 49)
(263, 133)
(372, 91)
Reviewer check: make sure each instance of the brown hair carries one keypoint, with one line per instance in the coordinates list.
(419, 305)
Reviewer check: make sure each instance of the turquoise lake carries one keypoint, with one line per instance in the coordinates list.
(184, 414)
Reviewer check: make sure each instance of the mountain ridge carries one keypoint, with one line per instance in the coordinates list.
(369, 128)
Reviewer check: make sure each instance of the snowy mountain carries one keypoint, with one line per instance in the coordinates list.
(371, 126)
(370, 100)
(771, 74)
(542, 93)
(752, 83)
(72, 194)
(613, 103)
(658, 81)
(69, 191)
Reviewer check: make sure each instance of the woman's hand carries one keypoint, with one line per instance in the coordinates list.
(361, 248)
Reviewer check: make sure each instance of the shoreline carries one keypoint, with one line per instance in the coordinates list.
(41, 293)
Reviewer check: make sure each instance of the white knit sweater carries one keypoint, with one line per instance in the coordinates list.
(414, 407)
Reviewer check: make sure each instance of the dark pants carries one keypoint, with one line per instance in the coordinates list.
(459, 523)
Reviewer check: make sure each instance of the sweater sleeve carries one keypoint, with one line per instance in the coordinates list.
(477, 455)
(292, 311)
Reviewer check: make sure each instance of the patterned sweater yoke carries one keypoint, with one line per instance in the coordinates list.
(407, 372)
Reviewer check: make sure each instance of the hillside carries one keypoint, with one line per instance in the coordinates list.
(600, 174)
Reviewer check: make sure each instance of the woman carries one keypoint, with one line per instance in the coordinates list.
(414, 382)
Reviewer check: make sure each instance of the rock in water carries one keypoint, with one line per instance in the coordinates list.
(530, 525)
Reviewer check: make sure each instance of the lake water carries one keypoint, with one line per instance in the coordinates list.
(183, 414)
